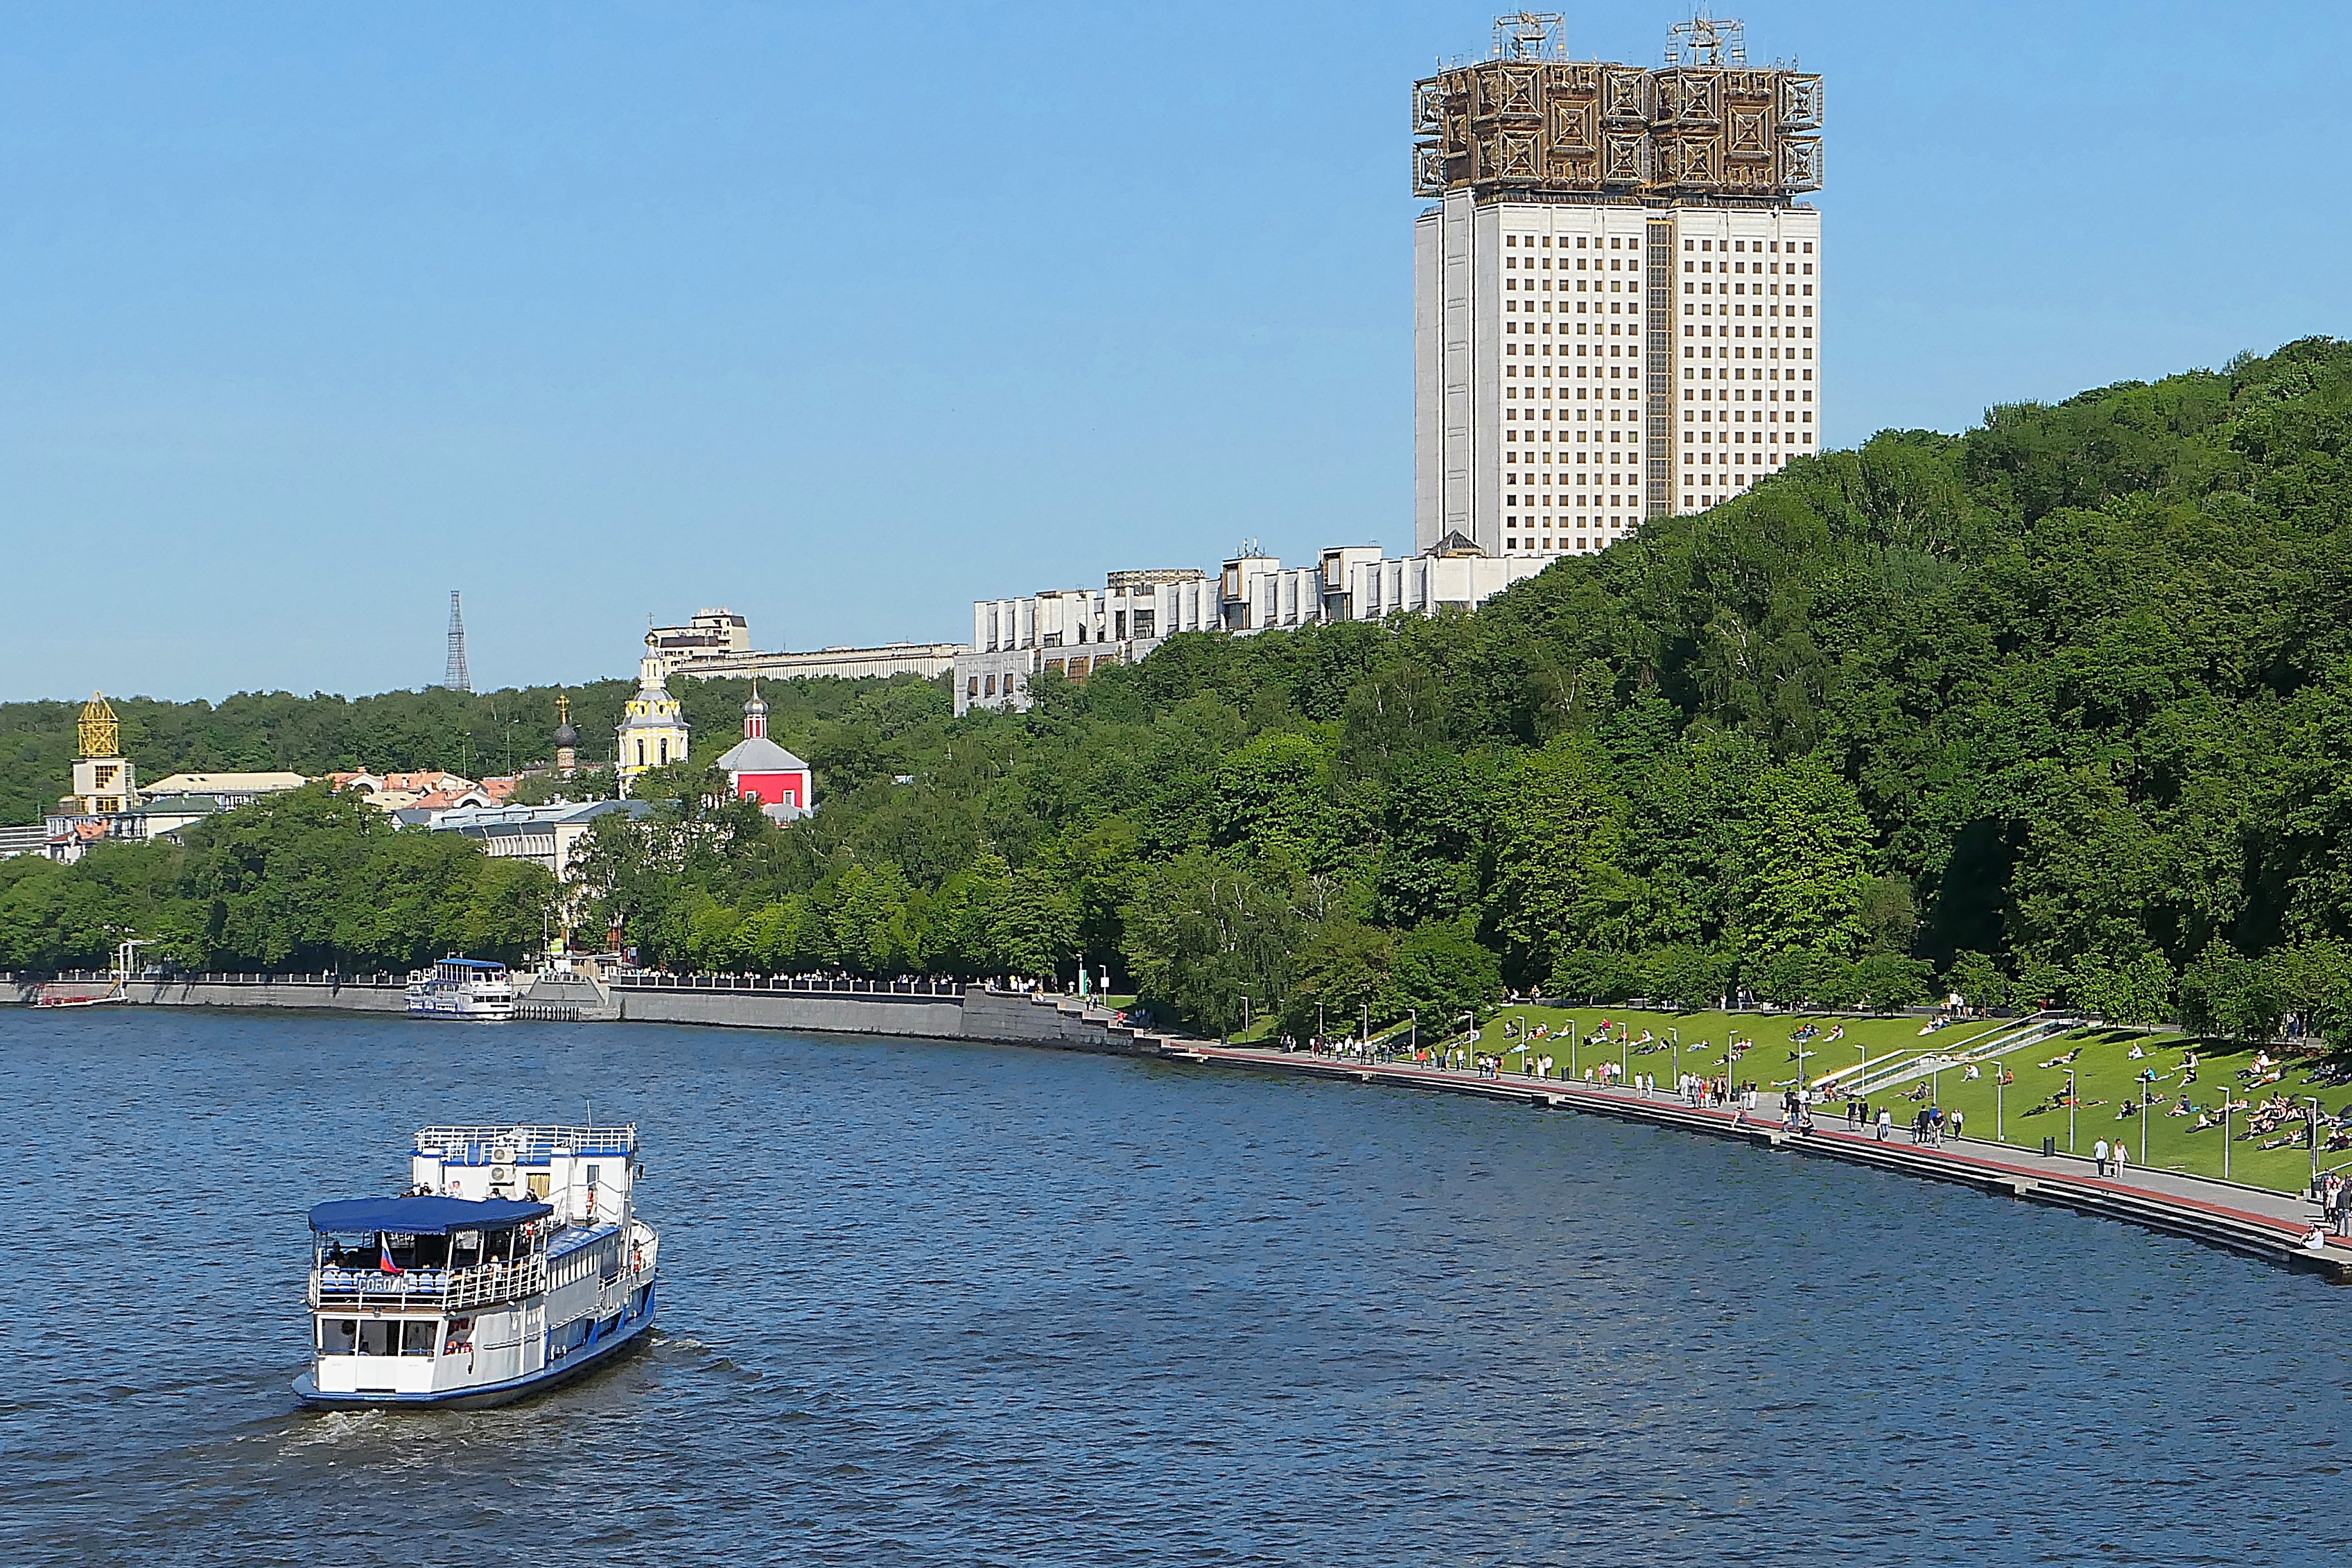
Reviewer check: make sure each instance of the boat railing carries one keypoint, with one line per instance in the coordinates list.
(442, 1289)
(478, 1144)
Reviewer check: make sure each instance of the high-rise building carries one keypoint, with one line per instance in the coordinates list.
(1617, 294)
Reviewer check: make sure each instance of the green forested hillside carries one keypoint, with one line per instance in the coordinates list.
(2061, 707)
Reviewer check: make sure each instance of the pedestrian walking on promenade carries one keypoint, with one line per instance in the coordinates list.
(1957, 1114)
(1885, 1122)
(2099, 1156)
(2121, 1159)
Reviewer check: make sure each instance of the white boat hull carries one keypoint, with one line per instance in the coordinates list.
(627, 1337)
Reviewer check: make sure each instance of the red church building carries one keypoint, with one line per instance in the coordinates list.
(759, 769)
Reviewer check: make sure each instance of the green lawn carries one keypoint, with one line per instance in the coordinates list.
(2107, 1095)
(2030, 1108)
(1770, 1060)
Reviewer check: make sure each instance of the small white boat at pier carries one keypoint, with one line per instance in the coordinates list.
(514, 1262)
(476, 989)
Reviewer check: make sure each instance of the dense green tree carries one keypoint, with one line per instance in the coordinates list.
(1806, 866)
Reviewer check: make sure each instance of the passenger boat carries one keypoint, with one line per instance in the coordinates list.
(515, 1262)
(471, 988)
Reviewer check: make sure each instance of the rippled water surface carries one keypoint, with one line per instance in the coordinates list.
(960, 1304)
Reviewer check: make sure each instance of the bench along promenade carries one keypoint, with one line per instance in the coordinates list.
(2260, 1222)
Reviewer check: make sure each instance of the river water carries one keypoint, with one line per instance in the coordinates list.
(958, 1304)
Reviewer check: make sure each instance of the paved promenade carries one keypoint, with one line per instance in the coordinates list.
(2256, 1221)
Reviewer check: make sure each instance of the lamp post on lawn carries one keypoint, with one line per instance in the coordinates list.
(1572, 1042)
(2070, 1111)
(1319, 1026)
(1415, 1047)
(1998, 1080)
(2144, 1103)
(1470, 1036)
(1246, 1015)
(2311, 1124)
(2225, 1129)
(1368, 1028)
(1675, 1034)
(1625, 1057)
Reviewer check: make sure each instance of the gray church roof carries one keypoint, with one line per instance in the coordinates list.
(759, 755)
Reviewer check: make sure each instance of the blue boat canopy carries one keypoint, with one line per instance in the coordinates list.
(421, 1215)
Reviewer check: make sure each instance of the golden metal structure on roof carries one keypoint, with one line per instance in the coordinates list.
(1529, 123)
(99, 734)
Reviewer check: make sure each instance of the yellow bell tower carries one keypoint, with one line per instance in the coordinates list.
(654, 731)
(104, 782)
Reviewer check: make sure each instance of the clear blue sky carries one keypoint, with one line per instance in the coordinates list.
(843, 315)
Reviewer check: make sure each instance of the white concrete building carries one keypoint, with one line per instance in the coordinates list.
(1074, 632)
(717, 642)
(1618, 295)
(549, 833)
(1581, 368)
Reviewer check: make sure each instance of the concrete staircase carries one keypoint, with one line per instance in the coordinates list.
(1909, 1067)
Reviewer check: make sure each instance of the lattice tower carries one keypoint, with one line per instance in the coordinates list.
(455, 677)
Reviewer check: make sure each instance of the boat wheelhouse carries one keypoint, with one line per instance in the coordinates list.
(476, 989)
(514, 1261)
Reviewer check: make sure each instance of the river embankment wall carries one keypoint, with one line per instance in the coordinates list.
(313, 993)
(925, 1011)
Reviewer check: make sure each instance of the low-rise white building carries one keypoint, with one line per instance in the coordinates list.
(717, 642)
(1072, 632)
(549, 833)
(232, 790)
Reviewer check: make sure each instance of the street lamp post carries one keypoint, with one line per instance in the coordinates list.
(1675, 1034)
(1573, 1040)
(1415, 1046)
(2144, 1103)
(1999, 1136)
(2310, 1125)
(2225, 1129)
(2070, 1111)
(1246, 1014)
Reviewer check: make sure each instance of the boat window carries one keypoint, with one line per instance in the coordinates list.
(417, 1337)
(465, 1248)
(536, 1185)
(501, 1244)
(378, 1336)
(337, 1335)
